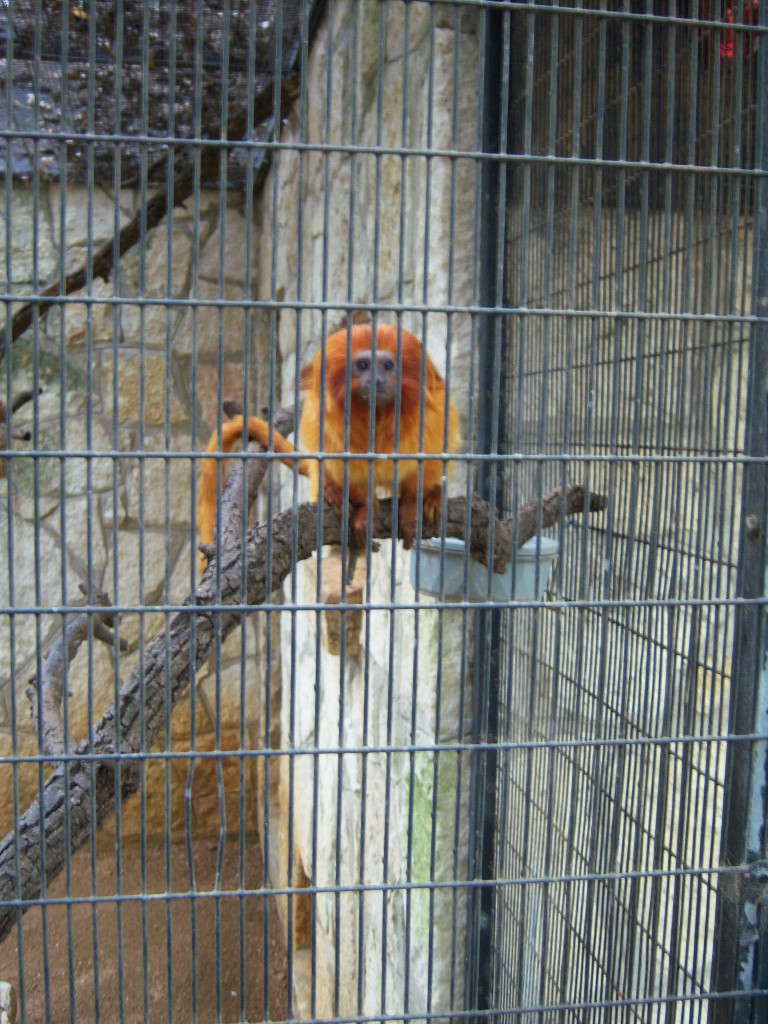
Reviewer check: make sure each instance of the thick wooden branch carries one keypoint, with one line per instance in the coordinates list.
(184, 181)
(169, 665)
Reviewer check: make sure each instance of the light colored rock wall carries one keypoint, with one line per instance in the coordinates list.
(118, 369)
(379, 812)
(125, 372)
(395, 231)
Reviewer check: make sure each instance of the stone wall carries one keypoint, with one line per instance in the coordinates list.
(118, 377)
(125, 372)
(378, 231)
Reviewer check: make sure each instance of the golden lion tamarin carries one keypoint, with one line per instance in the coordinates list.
(369, 375)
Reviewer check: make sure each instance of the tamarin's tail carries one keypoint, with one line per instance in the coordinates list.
(231, 432)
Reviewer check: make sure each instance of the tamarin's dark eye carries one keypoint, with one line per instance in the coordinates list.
(389, 365)
(361, 365)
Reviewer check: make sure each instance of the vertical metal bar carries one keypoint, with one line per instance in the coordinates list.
(549, 257)
(8, 492)
(465, 616)
(116, 471)
(36, 506)
(417, 541)
(316, 766)
(432, 956)
(303, 57)
(521, 338)
(662, 713)
(380, 77)
(639, 786)
(167, 737)
(491, 115)
(685, 941)
(591, 842)
(270, 486)
(193, 694)
(243, 739)
(141, 483)
(677, 891)
(440, 614)
(571, 340)
(89, 441)
(64, 62)
(343, 684)
(222, 225)
(740, 959)
(329, 15)
(366, 667)
(610, 853)
(366, 670)
(727, 524)
(391, 680)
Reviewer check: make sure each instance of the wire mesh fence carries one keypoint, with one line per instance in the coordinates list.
(329, 779)
(633, 378)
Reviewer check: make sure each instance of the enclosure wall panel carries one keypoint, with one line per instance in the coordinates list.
(630, 249)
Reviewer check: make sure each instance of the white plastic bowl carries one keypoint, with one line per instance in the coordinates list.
(428, 558)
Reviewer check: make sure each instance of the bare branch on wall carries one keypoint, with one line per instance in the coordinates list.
(46, 695)
(7, 431)
(187, 176)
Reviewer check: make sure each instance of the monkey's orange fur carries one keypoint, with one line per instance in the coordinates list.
(231, 433)
(335, 351)
(334, 400)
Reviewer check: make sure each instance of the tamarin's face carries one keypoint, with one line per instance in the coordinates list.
(373, 378)
(353, 372)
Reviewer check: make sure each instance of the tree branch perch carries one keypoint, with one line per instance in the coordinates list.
(171, 656)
